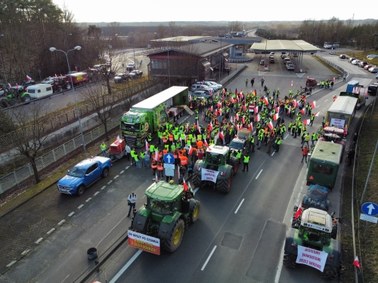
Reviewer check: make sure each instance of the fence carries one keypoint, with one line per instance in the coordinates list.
(25, 172)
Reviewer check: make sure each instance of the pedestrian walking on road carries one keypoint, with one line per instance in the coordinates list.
(252, 82)
(262, 82)
(304, 154)
(131, 202)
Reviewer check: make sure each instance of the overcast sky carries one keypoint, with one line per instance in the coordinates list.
(211, 10)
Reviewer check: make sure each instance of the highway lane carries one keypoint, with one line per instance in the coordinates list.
(95, 207)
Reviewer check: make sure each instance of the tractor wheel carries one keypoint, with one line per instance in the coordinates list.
(80, 190)
(176, 235)
(289, 261)
(329, 272)
(194, 210)
(224, 185)
(196, 180)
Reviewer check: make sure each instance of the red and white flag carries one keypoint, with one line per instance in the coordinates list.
(295, 103)
(306, 122)
(313, 104)
(256, 109)
(147, 145)
(243, 119)
(302, 111)
(185, 185)
(257, 118)
(356, 262)
(278, 109)
(211, 126)
(156, 155)
(275, 117)
(221, 135)
(317, 114)
(28, 78)
(237, 117)
(265, 100)
(270, 125)
(250, 126)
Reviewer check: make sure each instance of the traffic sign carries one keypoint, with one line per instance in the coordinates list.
(369, 218)
(369, 208)
(169, 158)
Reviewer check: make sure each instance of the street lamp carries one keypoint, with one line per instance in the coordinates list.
(77, 47)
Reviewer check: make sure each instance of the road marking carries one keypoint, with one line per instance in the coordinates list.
(258, 175)
(122, 171)
(50, 231)
(38, 241)
(72, 213)
(80, 206)
(127, 167)
(61, 222)
(110, 181)
(103, 188)
(286, 136)
(240, 204)
(11, 263)
(208, 258)
(273, 153)
(96, 193)
(25, 252)
(88, 199)
(115, 177)
(125, 267)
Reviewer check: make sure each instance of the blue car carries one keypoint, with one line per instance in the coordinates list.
(84, 174)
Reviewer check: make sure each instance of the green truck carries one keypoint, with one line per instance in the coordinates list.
(148, 115)
(324, 164)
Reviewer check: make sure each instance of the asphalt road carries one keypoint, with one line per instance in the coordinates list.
(238, 237)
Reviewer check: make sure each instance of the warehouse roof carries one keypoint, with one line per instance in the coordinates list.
(284, 45)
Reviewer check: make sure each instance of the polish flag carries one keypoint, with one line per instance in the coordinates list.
(147, 145)
(221, 135)
(211, 126)
(270, 125)
(277, 109)
(190, 151)
(237, 117)
(275, 117)
(250, 126)
(295, 103)
(298, 213)
(257, 118)
(211, 108)
(306, 122)
(28, 78)
(243, 119)
(265, 100)
(156, 155)
(356, 262)
(313, 104)
(205, 143)
(185, 185)
(302, 111)
(256, 109)
(317, 114)
(250, 108)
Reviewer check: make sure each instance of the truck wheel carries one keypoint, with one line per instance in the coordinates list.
(80, 190)
(175, 238)
(224, 185)
(329, 272)
(194, 210)
(105, 173)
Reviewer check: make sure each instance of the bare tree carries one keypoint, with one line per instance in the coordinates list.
(102, 103)
(31, 134)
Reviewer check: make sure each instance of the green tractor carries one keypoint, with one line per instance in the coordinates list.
(315, 229)
(169, 210)
(216, 169)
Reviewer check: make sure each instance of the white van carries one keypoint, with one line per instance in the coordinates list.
(39, 90)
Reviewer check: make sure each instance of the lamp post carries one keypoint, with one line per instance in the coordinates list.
(77, 47)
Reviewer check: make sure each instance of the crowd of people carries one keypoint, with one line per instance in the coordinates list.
(217, 120)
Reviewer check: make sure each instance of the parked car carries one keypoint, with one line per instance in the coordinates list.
(200, 86)
(290, 67)
(39, 90)
(135, 74)
(202, 93)
(373, 69)
(366, 67)
(343, 56)
(355, 62)
(373, 88)
(121, 77)
(84, 174)
(217, 85)
(215, 88)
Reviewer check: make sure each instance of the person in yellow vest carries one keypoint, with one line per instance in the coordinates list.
(245, 162)
(103, 148)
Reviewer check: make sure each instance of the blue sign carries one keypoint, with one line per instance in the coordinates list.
(169, 158)
(369, 208)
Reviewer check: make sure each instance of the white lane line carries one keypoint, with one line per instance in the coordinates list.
(127, 167)
(273, 153)
(103, 188)
(115, 177)
(125, 267)
(208, 258)
(110, 181)
(11, 263)
(61, 222)
(286, 136)
(96, 193)
(122, 171)
(88, 199)
(80, 206)
(50, 231)
(258, 175)
(240, 204)
(38, 241)
(25, 252)
(72, 213)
